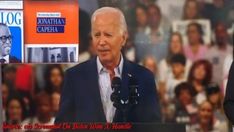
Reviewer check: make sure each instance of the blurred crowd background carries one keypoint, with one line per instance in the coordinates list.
(187, 44)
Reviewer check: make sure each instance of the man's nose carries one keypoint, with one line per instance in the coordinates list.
(8, 41)
(102, 40)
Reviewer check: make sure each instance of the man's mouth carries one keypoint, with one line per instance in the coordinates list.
(103, 50)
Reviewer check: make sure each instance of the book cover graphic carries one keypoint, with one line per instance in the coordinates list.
(13, 19)
(51, 31)
(51, 53)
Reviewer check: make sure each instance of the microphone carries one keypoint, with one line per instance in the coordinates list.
(115, 96)
(133, 97)
(133, 91)
(118, 102)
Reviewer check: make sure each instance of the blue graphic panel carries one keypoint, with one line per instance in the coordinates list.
(16, 42)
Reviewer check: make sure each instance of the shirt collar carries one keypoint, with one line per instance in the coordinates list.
(6, 58)
(118, 69)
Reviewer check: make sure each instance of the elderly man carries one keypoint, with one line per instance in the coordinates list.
(5, 43)
(86, 94)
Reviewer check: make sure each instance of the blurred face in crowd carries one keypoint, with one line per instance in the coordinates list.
(193, 34)
(10, 76)
(176, 44)
(185, 97)
(146, 2)
(150, 64)
(109, 35)
(5, 40)
(141, 17)
(154, 17)
(221, 34)
(15, 110)
(205, 113)
(44, 108)
(199, 72)
(218, 3)
(56, 77)
(178, 70)
(191, 10)
(5, 93)
(55, 101)
(214, 98)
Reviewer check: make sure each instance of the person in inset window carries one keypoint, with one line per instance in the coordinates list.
(72, 58)
(5, 45)
(52, 58)
(59, 58)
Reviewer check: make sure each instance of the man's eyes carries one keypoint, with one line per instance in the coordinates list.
(105, 34)
(108, 35)
(97, 34)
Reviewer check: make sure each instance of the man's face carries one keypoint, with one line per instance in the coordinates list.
(191, 10)
(221, 34)
(44, 108)
(107, 37)
(5, 40)
(141, 17)
(177, 69)
(154, 17)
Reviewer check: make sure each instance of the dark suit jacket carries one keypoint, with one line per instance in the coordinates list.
(229, 97)
(81, 100)
(13, 59)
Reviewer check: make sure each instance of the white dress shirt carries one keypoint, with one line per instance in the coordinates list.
(105, 87)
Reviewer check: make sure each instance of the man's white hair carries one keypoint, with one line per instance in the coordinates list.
(104, 10)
